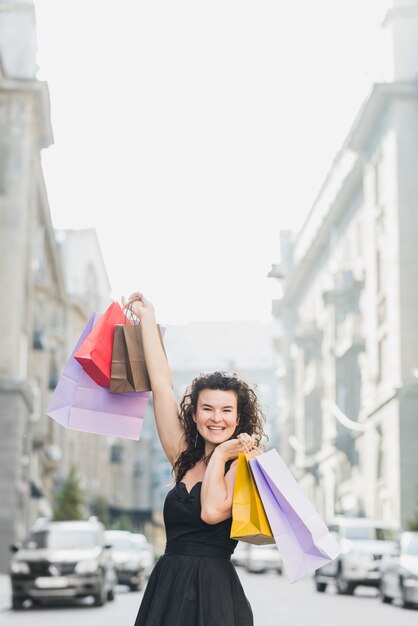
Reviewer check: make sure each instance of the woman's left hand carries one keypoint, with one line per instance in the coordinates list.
(233, 447)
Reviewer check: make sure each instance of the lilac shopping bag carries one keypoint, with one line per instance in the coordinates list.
(78, 403)
(303, 539)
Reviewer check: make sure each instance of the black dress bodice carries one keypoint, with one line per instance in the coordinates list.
(187, 533)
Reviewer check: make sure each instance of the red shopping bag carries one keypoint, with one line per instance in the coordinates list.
(95, 353)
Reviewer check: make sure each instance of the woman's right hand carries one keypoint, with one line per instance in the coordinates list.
(139, 305)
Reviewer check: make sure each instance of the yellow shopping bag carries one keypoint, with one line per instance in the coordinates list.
(249, 521)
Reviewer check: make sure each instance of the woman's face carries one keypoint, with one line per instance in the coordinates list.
(216, 416)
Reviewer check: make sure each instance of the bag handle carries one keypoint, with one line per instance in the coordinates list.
(128, 307)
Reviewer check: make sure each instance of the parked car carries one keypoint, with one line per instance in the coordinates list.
(128, 558)
(363, 542)
(146, 552)
(399, 572)
(62, 560)
(239, 556)
(265, 558)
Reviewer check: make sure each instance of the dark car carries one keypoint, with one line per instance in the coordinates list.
(62, 560)
(399, 572)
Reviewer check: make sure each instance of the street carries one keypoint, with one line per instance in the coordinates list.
(274, 601)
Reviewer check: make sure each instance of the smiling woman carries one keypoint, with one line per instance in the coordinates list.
(215, 408)
(194, 582)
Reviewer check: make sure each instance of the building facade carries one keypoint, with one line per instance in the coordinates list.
(50, 283)
(25, 129)
(349, 306)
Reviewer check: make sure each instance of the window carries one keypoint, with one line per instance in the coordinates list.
(378, 271)
(381, 311)
(382, 358)
(116, 454)
(369, 533)
(60, 539)
(380, 181)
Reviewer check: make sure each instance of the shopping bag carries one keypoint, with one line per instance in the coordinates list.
(128, 370)
(78, 403)
(95, 353)
(303, 539)
(249, 521)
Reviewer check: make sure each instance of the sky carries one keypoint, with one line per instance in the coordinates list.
(189, 133)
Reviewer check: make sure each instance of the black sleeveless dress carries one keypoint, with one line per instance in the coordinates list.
(194, 583)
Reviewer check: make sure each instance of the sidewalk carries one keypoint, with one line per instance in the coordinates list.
(5, 592)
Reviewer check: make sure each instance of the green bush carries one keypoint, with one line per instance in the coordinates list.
(69, 501)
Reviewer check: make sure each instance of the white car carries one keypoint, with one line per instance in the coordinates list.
(265, 558)
(363, 542)
(239, 557)
(146, 552)
(127, 558)
(399, 572)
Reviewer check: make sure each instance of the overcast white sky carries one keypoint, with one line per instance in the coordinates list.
(189, 133)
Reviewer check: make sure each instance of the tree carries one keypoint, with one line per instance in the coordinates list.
(70, 500)
(123, 522)
(413, 522)
(100, 508)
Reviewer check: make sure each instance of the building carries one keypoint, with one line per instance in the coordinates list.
(349, 307)
(25, 129)
(50, 283)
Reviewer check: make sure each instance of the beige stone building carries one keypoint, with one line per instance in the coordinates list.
(50, 283)
(349, 308)
(25, 129)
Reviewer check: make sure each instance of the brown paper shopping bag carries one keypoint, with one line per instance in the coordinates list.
(128, 371)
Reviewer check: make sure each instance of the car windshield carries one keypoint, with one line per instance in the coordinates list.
(140, 541)
(124, 544)
(412, 547)
(369, 533)
(60, 539)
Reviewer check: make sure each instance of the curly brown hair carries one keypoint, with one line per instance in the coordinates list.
(250, 416)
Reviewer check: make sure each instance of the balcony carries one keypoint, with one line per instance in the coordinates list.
(277, 308)
(349, 335)
(308, 332)
(312, 378)
(345, 282)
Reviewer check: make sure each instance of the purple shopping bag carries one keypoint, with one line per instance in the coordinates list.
(78, 403)
(303, 539)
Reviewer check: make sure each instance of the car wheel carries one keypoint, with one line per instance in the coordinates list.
(405, 603)
(100, 597)
(321, 587)
(111, 595)
(383, 597)
(17, 603)
(344, 588)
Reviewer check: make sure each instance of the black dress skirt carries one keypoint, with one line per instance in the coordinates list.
(194, 583)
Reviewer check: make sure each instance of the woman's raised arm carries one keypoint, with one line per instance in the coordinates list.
(166, 410)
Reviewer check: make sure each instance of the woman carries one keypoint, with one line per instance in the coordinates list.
(194, 582)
